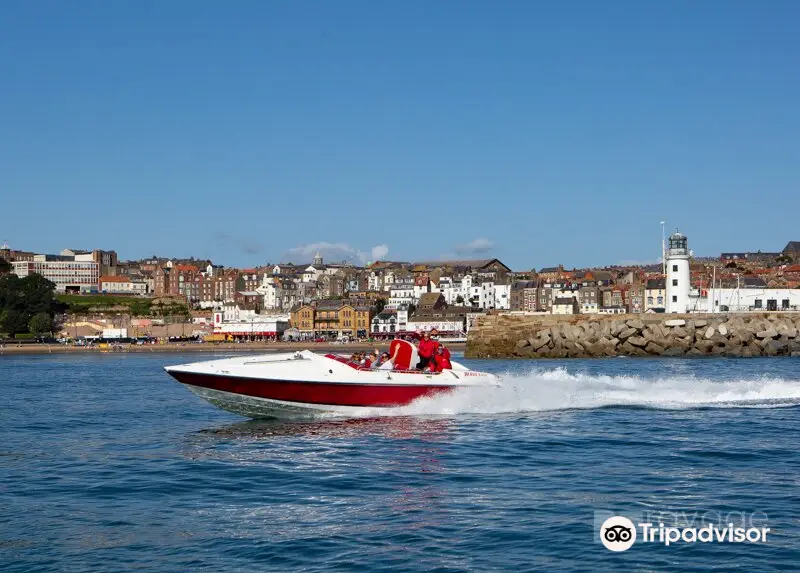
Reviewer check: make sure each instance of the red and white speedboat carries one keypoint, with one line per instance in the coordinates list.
(302, 384)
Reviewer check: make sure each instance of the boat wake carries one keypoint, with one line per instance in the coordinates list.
(557, 389)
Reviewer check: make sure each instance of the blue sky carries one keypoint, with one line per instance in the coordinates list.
(540, 133)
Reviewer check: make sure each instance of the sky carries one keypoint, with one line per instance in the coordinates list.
(541, 133)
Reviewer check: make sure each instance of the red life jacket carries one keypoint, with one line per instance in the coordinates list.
(426, 348)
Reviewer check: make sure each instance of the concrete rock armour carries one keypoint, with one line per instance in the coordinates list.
(590, 336)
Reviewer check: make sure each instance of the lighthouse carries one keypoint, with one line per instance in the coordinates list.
(678, 282)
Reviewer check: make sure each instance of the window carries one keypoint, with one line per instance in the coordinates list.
(674, 298)
(649, 300)
(758, 303)
(674, 282)
(674, 268)
(660, 300)
(785, 304)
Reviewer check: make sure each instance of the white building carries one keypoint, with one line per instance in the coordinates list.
(401, 292)
(565, 305)
(384, 323)
(70, 274)
(453, 326)
(752, 299)
(238, 323)
(502, 297)
(422, 286)
(279, 294)
(402, 318)
(678, 282)
(122, 285)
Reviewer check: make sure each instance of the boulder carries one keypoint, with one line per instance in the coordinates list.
(626, 333)
(522, 344)
(678, 332)
(704, 346)
(722, 329)
(699, 322)
(538, 342)
(673, 351)
(631, 350)
(635, 323)
(767, 333)
(525, 352)
(709, 333)
(637, 341)
(653, 348)
(774, 347)
(675, 322)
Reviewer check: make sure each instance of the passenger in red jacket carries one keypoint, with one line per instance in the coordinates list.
(441, 359)
(425, 349)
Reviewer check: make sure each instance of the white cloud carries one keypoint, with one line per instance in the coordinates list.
(379, 252)
(478, 246)
(335, 253)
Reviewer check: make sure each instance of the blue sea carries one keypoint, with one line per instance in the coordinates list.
(107, 464)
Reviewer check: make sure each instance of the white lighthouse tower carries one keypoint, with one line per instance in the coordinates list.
(678, 282)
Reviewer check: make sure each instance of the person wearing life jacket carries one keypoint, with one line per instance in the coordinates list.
(425, 350)
(441, 360)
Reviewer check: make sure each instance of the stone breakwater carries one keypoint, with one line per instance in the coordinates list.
(585, 336)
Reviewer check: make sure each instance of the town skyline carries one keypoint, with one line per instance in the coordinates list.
(336, 253)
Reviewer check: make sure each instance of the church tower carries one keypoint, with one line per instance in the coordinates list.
(318, 260)
(678, 281)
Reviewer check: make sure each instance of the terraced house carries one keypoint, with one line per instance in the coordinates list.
(333, 319)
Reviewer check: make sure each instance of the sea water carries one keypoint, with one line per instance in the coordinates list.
(106, 464)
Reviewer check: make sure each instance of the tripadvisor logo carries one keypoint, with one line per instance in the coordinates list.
(618, 533)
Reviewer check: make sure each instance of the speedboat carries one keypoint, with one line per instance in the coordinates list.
(306, 384)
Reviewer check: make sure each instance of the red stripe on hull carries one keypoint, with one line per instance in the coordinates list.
(370, 395)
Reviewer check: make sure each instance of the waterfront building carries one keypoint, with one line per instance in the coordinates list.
(566, 305)
(655, 293)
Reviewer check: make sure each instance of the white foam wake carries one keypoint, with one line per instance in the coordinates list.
(557, 389)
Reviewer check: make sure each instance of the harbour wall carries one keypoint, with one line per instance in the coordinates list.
(591, 336)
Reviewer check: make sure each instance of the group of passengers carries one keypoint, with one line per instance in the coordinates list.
(433, 357)
(374, 359)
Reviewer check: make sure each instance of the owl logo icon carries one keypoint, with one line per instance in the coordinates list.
(618, 533)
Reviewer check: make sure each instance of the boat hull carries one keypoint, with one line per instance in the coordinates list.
(258, 408)
(317, 393)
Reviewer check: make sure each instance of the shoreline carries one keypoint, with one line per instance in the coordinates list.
(35, 349)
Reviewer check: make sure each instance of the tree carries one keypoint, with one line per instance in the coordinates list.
(459, 299)
(5, 267)
(40, 323)
(380, 304)
(23, 298)
(13, 322)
